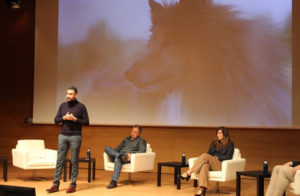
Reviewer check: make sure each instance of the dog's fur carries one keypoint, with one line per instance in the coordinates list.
(206, 65)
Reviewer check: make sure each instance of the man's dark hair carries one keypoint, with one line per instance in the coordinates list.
(139, 127)
(73, 88)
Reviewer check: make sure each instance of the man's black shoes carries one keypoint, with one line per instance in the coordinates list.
(112, 184)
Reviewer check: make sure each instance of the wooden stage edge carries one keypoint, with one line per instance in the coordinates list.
(143, 184)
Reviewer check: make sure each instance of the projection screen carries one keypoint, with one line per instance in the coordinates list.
(181, 63)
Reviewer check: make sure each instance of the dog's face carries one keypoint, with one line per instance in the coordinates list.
(180, 48)
(155, 69)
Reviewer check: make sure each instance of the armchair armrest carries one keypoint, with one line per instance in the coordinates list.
(297, 182)
(230, 167)
(142, 161)
(19, 158)
(107, 160)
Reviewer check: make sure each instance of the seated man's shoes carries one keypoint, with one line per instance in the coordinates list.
(52, 189)
(71, 189)
(112, 184)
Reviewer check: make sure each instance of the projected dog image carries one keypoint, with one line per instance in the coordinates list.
(206, 63)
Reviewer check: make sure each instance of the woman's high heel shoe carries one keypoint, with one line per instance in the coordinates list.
(203, 191)
(185, 178)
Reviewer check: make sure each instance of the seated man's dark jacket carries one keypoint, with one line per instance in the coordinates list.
(138, 145)
(222, 154)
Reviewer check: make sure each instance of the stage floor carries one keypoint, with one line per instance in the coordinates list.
(143, 184)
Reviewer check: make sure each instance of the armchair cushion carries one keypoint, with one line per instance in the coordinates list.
(215, 174)
(39, 162)
(111, 165)
(37, 154)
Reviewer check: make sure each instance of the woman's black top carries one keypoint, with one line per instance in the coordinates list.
(222, 154)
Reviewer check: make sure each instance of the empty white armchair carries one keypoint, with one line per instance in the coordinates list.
(139, 162)
(229, 169)
(295, 186)
(32, 154)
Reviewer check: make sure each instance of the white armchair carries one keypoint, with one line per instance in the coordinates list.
(295, 186)
(139, 162)
(32, 154)
(229, 169)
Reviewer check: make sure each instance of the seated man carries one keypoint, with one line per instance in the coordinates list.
(122, 154)
(282, 175)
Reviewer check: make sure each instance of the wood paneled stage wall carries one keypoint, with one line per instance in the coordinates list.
(256, 145)
(16, 79)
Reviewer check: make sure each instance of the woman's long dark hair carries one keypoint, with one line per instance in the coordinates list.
(226, 139)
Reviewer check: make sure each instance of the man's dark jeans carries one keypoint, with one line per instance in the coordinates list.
(117, 158)
(64, 143)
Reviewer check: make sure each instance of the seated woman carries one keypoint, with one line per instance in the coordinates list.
(282, 175)
(220, 149)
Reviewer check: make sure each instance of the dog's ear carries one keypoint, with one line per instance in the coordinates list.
(156, 9)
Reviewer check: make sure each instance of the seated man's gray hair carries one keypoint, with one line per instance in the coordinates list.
(139, 127)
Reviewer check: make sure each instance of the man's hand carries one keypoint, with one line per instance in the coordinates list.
(129, 156)
(73, 118)
(69, 116)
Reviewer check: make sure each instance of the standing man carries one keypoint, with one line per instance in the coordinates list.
(122, 154)
(71, 116)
